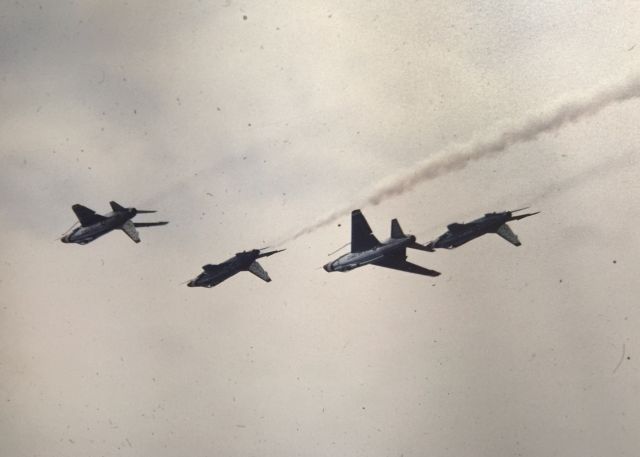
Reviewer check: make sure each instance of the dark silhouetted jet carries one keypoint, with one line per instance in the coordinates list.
(367, 250)
(459, 234)
(242, 261)
(94, 225)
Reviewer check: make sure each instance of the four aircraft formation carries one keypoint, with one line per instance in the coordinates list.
(365, 247)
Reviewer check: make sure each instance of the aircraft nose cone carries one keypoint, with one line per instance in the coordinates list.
(64, 239)
(191, 283)
(327, 267)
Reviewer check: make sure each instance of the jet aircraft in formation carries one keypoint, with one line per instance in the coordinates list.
(365, 247)
(242, 261)
(93, 225)
(367, 250)
(459, 234)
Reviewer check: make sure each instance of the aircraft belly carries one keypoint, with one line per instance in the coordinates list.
(367, 260)
(88, 236)
(464, 238)
(371, 260)
(218, 277)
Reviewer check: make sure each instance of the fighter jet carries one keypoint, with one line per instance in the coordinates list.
(459, 234)
(242, 261)
(94, 225)
(367, 250)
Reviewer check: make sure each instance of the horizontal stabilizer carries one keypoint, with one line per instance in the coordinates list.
(421, 247)
(86, 216)
(267, 254)
(131, 231)
(257, 270)
(149, 224)
(429, 247)
(522, 216)
(362, 238)
(505, 232)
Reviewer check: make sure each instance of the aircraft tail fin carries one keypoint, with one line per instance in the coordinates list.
(505, 232)
(116, 207)
(361, 236)
(396, 230)
(257, 270)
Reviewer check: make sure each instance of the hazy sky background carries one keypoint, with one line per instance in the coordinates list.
(241, 131)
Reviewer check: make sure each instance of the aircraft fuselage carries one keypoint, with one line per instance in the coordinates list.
(84, 235)
(459, 234)
(353, 260)
(230, 267)
(206, 279)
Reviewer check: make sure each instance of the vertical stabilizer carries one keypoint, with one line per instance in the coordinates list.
(116, 207)
(396, 230)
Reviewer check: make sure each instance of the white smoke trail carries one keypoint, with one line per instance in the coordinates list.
(457, 157)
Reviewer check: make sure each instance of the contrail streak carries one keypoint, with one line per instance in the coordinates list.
(457, 157)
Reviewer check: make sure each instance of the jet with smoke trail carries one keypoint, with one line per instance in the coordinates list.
(457, 157)
(367, 250)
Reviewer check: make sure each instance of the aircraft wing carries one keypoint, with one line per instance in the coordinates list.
(457, 227)
(505, 232)
(86, 216)
(148, 224)
(131, 231)
(398, 263)
(257, 270)
(362, 238)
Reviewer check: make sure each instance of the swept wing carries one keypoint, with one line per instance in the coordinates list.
(505, 232)
(400, 263)
(362, 237)
(257, 270)
(87, 216)
(131, 231)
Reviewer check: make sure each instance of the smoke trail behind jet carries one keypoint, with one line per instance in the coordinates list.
(456, 157)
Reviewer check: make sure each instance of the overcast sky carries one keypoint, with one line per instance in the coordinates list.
(243, 121)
